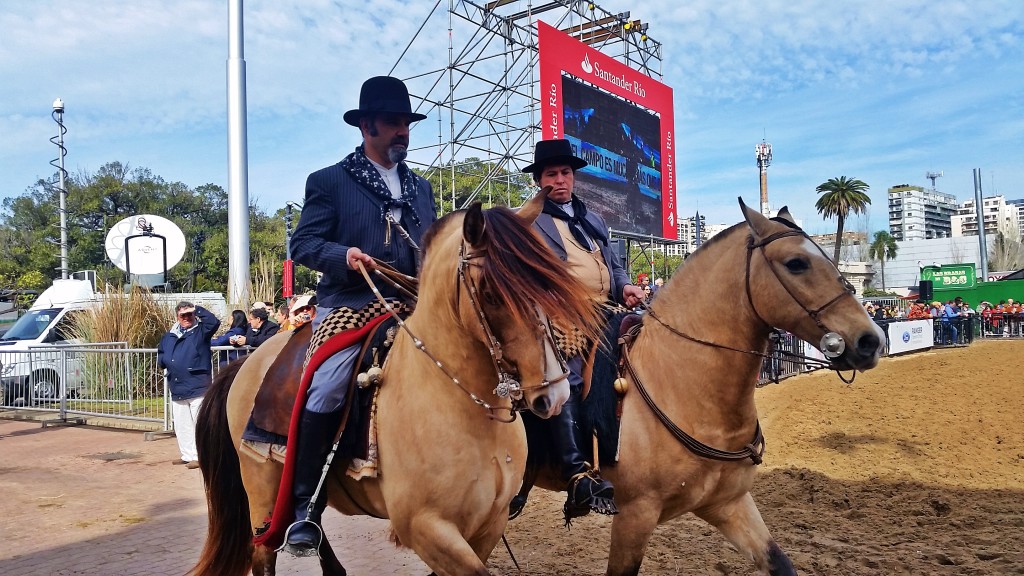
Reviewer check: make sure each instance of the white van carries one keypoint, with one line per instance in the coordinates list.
(29, 373)
(30, 368)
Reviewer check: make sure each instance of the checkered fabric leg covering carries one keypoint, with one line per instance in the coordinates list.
(571, 343)
(342, 319)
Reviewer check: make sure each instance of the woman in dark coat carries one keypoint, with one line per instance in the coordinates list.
(239, 326)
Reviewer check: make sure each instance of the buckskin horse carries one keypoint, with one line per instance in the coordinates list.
(451, 452)
(689, 432)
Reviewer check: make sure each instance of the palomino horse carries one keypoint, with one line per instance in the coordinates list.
(451, 453)
(697, 358)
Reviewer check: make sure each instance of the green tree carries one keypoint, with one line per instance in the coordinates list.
(1005, 253)
(841, 197)
(30, 233)
(883, 247)
(455, 183)
(644, 260)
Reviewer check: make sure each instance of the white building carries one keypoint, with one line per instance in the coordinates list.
(686, 230)
(919, 214)
(1019, 205)
(903, 273)
(997, 213)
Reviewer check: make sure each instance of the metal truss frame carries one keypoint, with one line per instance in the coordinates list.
(486, 100)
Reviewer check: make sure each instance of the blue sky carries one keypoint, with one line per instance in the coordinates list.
(883, 92)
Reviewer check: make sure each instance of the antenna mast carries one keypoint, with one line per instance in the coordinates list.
(933, 176)
(763, 152)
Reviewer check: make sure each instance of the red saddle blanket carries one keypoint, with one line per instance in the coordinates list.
(284, 513)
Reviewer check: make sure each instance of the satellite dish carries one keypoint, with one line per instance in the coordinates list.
(143, 244)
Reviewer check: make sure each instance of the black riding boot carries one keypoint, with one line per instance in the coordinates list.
(587, 490)
(316, 436)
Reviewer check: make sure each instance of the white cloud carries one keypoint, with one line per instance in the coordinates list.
(878, 91)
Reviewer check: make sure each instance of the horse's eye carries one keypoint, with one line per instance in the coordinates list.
(797, 265)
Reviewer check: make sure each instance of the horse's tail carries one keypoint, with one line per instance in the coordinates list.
(228, 549)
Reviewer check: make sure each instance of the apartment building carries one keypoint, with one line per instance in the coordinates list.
(919, 214)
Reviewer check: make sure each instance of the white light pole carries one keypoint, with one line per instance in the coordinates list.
(238, 161)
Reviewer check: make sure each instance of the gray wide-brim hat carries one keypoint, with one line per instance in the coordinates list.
(382, 95)
(553, 152)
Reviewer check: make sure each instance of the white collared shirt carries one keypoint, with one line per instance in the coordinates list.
(394, 184)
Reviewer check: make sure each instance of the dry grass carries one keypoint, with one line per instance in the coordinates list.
(135, 318)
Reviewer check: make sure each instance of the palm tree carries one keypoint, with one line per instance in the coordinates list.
(883, 247)
(842, 196)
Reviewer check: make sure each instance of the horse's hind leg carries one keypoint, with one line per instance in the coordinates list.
(631, 530)
(740, 522)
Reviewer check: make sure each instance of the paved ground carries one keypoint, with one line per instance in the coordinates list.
(81, 500)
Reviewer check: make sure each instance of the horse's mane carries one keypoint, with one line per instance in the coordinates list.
(523, 272)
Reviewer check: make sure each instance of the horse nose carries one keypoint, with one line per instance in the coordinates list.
(541, 405)
(868, 345)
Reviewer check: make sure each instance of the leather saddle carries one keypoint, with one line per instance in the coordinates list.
(275, 399)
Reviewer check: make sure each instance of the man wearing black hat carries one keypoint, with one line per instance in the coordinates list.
(354, 211)
(579, 237)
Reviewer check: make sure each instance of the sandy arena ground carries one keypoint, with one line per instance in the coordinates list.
(916, 468)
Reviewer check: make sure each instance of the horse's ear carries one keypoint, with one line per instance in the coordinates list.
(528, 212)
(785, 215)
(474, 227)
(758, 224)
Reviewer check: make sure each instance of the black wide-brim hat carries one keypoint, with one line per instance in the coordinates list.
(554, 152)
(382, 95)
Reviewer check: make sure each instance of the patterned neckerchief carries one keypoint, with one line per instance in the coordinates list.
(366, 175)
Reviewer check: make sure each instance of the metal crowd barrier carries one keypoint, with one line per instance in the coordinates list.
(961, 331)
(1001, 325)
(107, 380)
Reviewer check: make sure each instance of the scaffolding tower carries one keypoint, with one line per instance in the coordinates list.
(485, 101)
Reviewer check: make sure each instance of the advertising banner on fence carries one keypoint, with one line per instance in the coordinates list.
(910, 335)
(621, 122)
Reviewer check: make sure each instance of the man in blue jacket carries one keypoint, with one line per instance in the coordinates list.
(184, 352)
(354, 211)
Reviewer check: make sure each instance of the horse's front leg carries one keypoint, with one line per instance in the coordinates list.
(740, 522)
(264, 561)
(329, 563)
(631, 530)
(442, 547)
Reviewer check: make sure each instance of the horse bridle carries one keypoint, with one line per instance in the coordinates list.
(832, 344)
(754, 450)
(507, 386)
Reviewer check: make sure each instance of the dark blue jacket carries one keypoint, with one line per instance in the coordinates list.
(337, 214)
(187, 359)
(225, 338)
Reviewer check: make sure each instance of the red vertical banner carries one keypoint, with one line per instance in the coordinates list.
(560, 55)
(287, 279)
